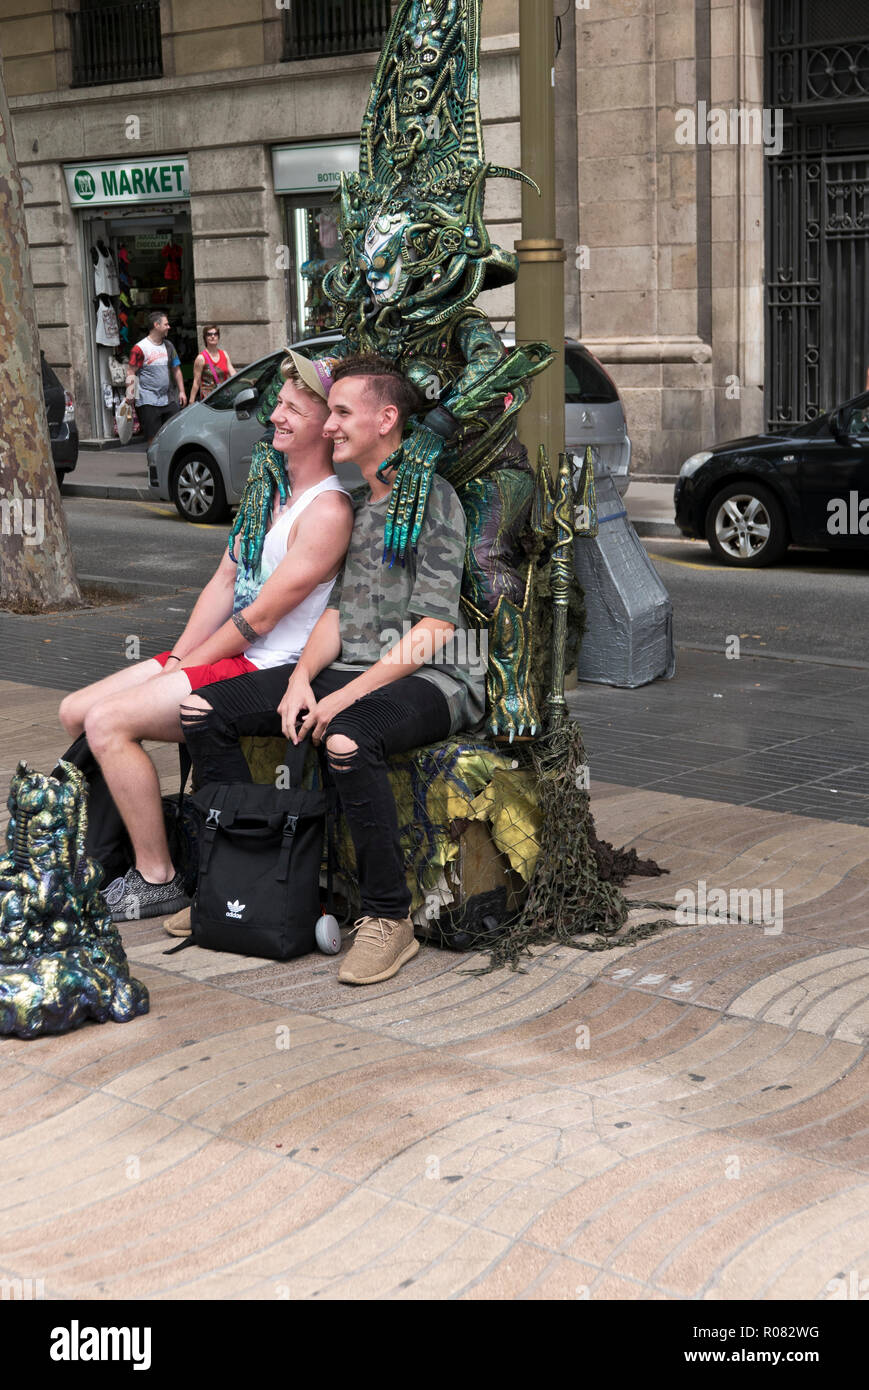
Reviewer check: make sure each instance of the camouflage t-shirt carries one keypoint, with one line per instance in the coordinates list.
(377, 604)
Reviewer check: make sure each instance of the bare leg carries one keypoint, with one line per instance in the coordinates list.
(74, 708)
(115, 728)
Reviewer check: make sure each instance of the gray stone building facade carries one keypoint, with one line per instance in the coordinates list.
(697, 141)
(672, 292)
(260, 139)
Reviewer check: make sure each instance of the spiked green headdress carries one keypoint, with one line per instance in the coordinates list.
(412, 219)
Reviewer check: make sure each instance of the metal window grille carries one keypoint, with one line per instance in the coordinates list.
(817, 207)
(330, 27)
(116, 43)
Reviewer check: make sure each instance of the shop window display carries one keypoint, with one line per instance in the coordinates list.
(158, 263)
(139, 265)
(315, 248)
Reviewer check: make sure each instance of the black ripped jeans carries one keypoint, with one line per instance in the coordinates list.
(408, 714)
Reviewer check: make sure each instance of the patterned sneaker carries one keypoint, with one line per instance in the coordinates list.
(381, 948)
(113, 892)
(133, 897)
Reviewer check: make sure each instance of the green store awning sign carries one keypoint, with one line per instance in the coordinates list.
(128, 181)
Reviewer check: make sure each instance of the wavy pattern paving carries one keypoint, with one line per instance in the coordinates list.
(687, 1119)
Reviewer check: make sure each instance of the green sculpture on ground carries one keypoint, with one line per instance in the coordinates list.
(61, 959)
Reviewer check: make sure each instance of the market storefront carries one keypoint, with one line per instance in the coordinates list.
(136, 254)
(306, 179)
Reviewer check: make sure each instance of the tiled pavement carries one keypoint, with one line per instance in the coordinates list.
(686, 1119)
(784, 735)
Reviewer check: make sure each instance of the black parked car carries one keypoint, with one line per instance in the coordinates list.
(754, 497)
(62, 428)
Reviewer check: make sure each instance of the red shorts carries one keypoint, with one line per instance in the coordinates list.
(215, 671)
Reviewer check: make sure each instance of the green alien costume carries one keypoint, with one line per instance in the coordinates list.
(61, 959)
(416, 255)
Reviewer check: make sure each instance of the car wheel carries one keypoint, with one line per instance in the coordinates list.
(746, 526)
(198, 491)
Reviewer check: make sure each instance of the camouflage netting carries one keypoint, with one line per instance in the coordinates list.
(575, 888)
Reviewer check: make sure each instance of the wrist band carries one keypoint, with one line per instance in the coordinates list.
(173, 657)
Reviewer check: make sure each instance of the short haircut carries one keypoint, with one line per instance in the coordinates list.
(155, 316)
(210, 328)
(389, 385)
(290, 373)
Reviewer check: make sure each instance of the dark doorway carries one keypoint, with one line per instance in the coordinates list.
(817, 207)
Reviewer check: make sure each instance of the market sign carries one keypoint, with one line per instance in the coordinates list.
(313, 168)
(128, 181)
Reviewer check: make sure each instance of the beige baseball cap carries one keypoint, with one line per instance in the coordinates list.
(316, 375)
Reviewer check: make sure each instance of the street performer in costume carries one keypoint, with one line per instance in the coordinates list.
(416, 255)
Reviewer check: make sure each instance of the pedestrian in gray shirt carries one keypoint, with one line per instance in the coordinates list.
(155, 362)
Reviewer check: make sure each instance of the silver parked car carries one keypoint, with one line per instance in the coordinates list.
(201, 457)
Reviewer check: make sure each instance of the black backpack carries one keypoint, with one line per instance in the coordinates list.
(260, 851)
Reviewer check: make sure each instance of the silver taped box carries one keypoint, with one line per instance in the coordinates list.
(629, 630)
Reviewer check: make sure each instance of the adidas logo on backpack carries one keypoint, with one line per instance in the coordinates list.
(235, 910)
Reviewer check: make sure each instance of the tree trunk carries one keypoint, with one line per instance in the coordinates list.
(36, 566)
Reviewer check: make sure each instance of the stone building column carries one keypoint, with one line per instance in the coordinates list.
(239, 273)
(671, 282)
(737, 224)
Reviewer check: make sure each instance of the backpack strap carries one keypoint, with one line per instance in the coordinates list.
(286, 848)
(331, 795)
(182, 946)
(185, 763)
(210, 827)
(330, 854)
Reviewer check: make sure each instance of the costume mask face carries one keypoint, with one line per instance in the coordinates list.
(384, 256)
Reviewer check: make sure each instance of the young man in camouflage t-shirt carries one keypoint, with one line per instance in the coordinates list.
(384, 671)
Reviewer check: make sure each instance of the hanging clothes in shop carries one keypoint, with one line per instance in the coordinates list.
(105, 271)
(172, 255)
(107, 333)
(123, 268)
(327, 230)
(117, 365)
(117, 397)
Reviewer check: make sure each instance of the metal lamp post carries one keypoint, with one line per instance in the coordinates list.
(540, 289)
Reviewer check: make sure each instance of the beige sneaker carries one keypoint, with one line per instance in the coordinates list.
(381, 948)
(179, 924)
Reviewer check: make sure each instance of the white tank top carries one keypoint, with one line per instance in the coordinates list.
(284, 643)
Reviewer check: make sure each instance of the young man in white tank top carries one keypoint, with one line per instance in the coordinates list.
(272, 602)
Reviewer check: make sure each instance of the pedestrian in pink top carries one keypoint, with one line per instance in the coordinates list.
(212, 367)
